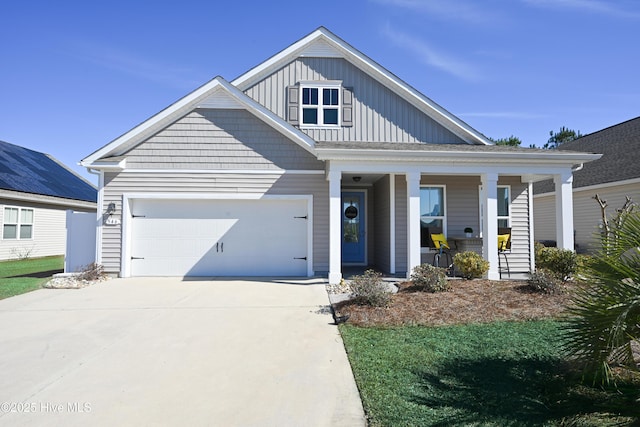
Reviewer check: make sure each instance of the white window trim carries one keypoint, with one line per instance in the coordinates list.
(444, 217)
(328, 84)
(19, 223)
(508, 216)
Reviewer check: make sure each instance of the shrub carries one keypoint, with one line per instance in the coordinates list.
(545, 281)
(430, 278)
(470, 264)
(92, 272)
(369, 289)
(562, 262)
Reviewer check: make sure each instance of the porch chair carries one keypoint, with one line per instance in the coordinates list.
(437, 243)
(504, 248)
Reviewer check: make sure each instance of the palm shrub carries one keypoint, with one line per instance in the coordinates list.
(604, 319)
(370, 289)
(430, 278)
(470, 264)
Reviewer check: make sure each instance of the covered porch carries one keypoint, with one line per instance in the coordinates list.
(383, 207)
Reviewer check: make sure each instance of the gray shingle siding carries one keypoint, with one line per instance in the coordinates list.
(220, 139)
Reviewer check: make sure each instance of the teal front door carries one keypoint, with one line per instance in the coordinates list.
(353, 228)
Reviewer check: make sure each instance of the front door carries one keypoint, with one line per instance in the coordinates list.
(353, 228)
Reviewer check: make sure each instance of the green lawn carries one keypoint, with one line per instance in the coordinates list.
(498, 374)
(11, 285)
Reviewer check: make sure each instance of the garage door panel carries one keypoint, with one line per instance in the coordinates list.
(219, 238)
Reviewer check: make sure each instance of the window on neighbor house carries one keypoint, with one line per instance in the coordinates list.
(432, 211)
(17, 223)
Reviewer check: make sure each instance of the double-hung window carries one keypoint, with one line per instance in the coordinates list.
(320, 105)
(432, 211)
(17, 223)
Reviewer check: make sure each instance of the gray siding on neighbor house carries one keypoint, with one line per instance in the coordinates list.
(219, 183)
(49, 232)
(382, 231)
(379, 115)
(587, 215)
(220, 139)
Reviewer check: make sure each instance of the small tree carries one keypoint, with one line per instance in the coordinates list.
(560, 137)
(512, 141)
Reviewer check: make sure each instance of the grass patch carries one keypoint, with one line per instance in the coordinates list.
(495, 374)
(21, 276)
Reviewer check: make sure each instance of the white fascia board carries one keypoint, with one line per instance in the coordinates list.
(456, 156)
(186, 104)
(381, 74)
(443, 168)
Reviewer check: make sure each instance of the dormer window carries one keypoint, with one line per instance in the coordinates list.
(320, 104)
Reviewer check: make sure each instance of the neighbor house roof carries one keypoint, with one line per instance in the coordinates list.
(27, 171)
(620, 146)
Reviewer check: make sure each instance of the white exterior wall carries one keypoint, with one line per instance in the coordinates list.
(49, 233)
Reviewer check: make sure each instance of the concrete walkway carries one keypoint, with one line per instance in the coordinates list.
(167, 352)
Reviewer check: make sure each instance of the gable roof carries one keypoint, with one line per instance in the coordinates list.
(217, 93)
(323, 43)
(620, 146)
(28, 171)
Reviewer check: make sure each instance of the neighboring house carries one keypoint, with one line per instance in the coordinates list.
(36, 191)
(613, 177)
(315, 159)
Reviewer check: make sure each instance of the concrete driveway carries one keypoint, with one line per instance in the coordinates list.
(168, 352)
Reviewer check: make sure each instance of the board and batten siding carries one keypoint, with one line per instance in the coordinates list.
(587, 216)
(49, 232)
(116, 184)
(379, 115)
(220, 139)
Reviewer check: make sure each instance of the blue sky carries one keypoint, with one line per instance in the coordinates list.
(74, 75)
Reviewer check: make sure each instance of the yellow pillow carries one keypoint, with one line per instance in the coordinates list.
(503, 240)
(439, 239)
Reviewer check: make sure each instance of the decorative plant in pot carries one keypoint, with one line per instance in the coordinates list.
(468, 232)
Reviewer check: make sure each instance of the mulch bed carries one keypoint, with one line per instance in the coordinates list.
(467, 301)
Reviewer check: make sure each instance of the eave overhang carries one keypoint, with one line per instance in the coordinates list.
(537, 157)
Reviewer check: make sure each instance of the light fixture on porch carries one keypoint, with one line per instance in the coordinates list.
(356, 178)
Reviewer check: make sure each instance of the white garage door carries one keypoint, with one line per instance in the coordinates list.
(266, 237)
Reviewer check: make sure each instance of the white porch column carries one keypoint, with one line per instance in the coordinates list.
(413, 221)
(335, 226)
(564, 210)
(532, 249)
(490, 226)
